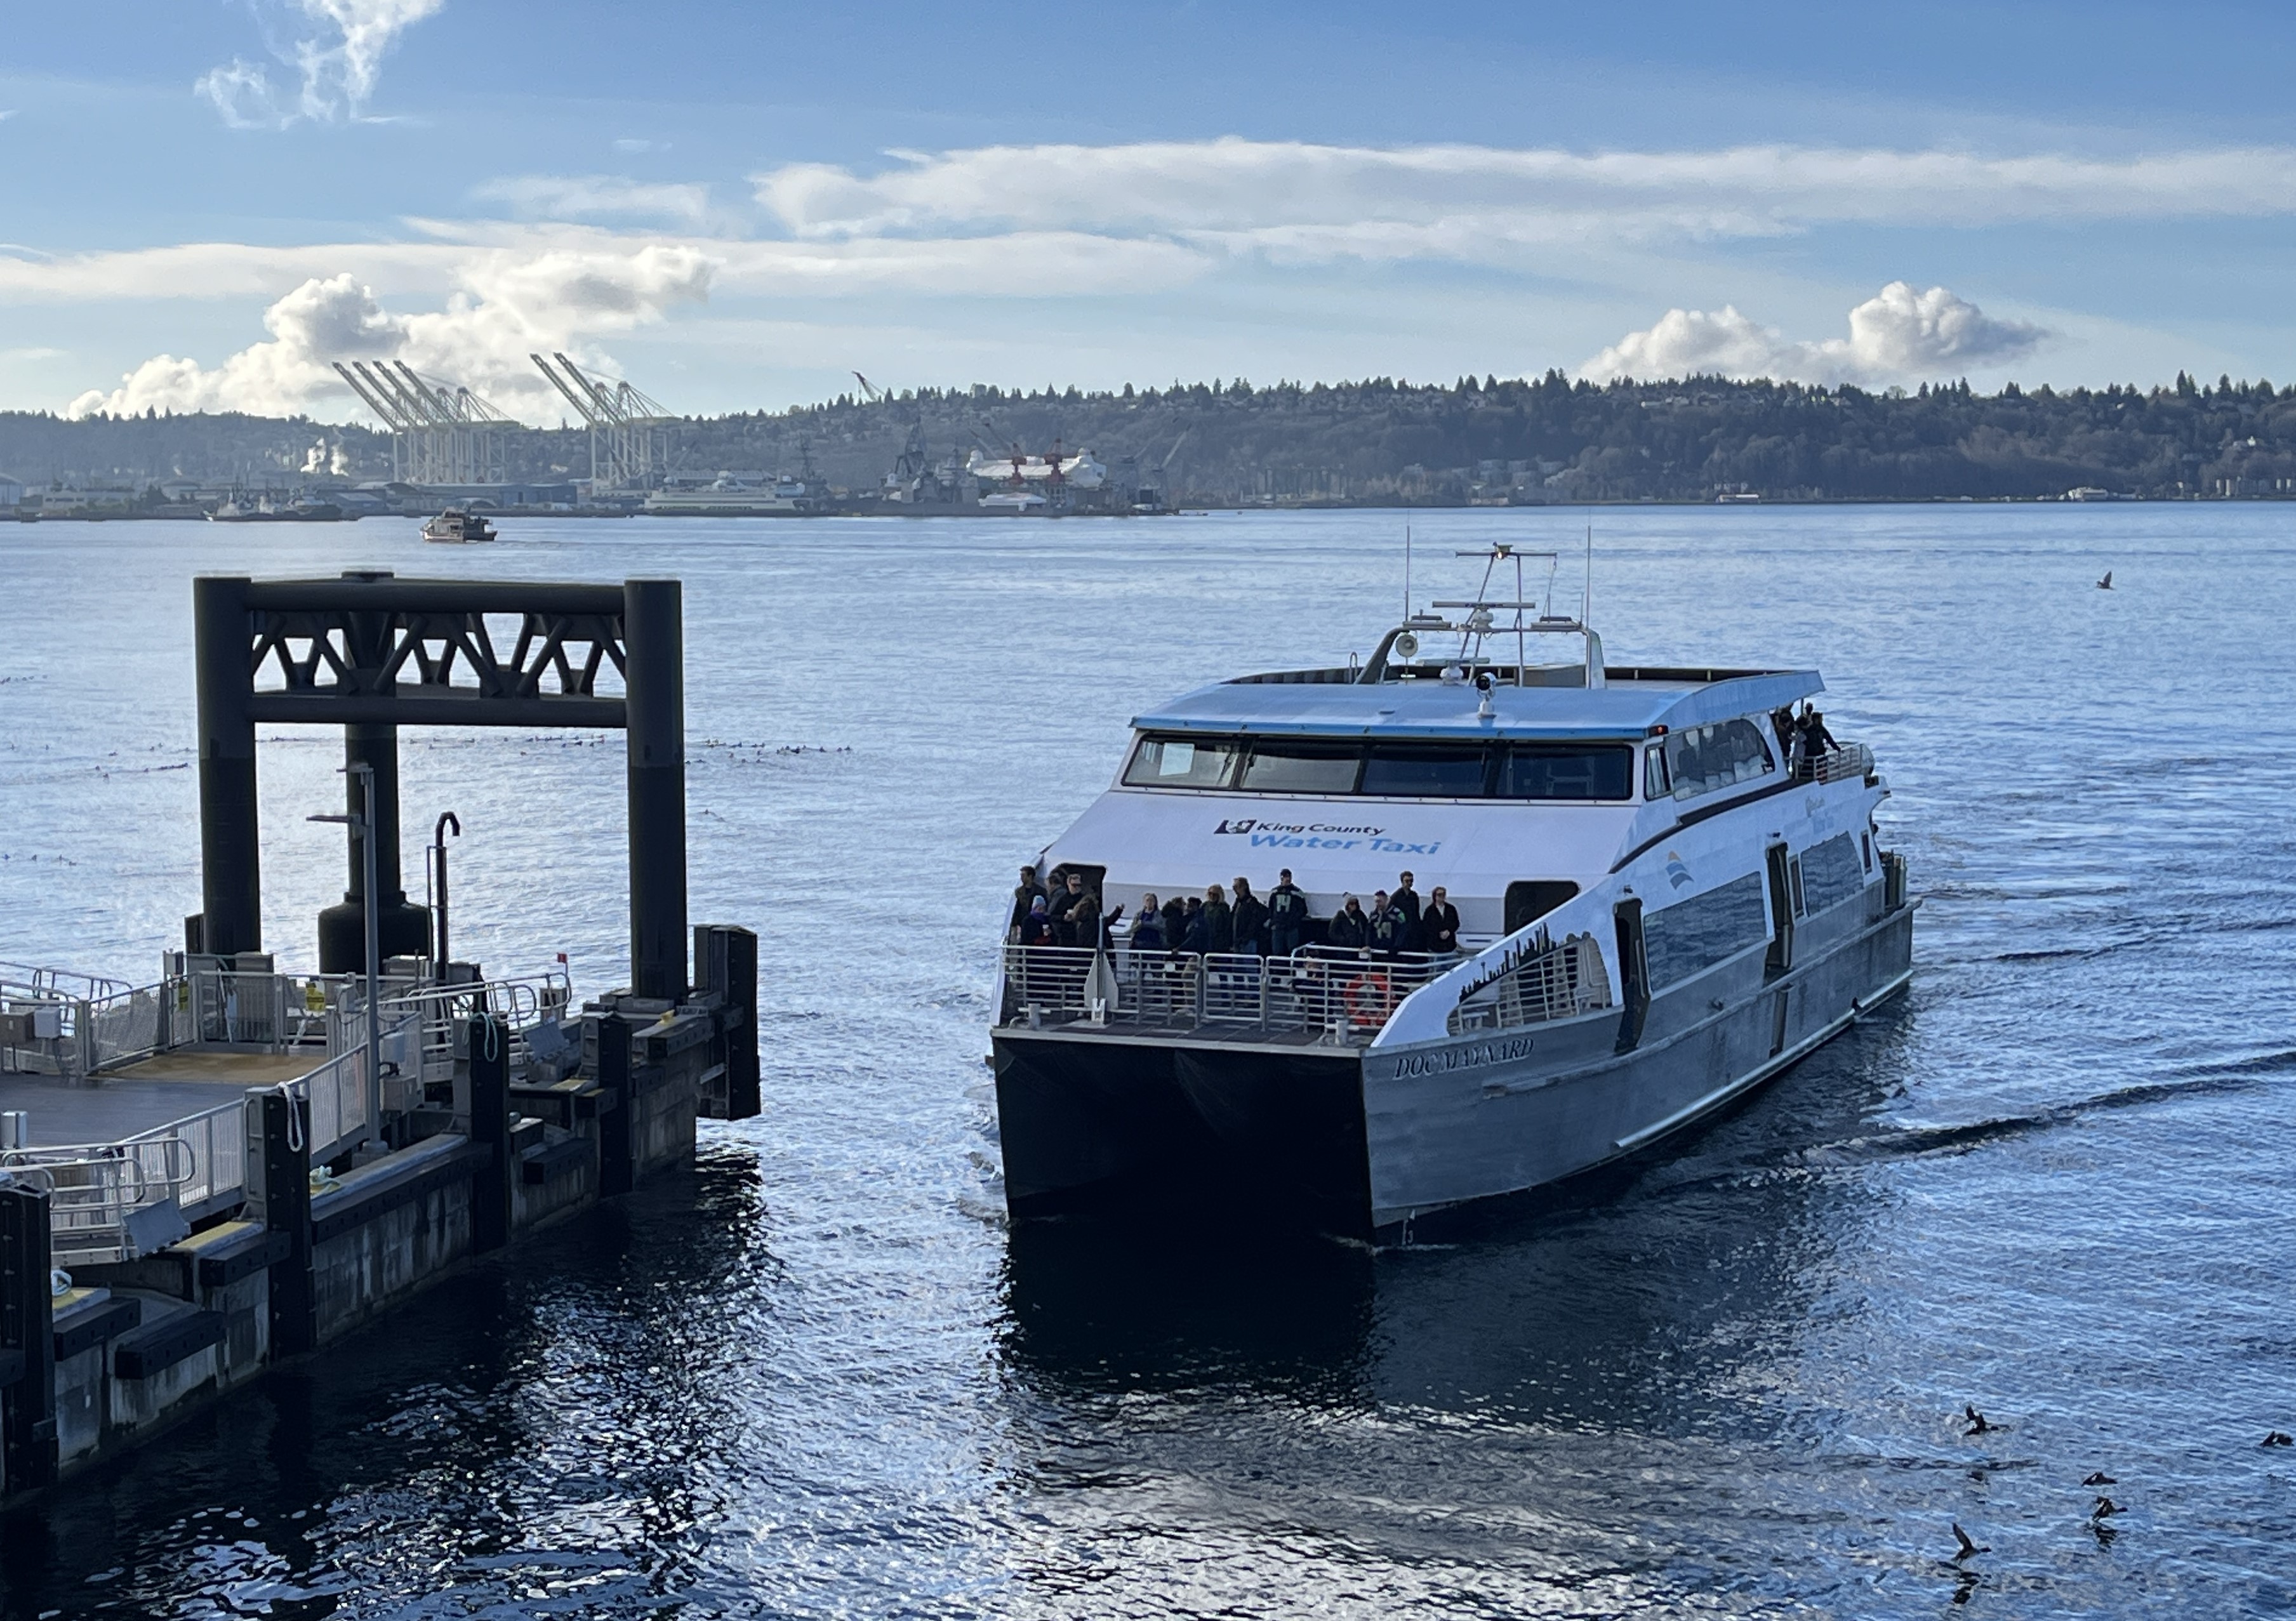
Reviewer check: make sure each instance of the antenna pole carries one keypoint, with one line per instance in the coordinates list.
(1407, 572)
(1587, 593)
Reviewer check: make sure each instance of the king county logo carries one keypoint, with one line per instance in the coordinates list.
(1677, 874)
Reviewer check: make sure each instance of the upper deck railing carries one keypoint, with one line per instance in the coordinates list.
(1336, 997)
(1844, 763)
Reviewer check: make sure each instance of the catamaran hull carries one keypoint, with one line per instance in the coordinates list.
(1363, 1141)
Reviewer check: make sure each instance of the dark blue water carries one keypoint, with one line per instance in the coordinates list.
(820, 1376)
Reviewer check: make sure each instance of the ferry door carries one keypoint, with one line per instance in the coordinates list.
(1634, 974)
(1782, 911)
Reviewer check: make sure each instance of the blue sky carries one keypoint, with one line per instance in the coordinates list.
(737, 206)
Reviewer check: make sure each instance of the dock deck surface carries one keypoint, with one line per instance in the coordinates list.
(142, 1097)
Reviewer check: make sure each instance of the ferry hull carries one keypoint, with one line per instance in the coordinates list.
(1362, 1142)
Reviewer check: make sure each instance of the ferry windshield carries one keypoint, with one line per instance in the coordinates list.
(1596, 771)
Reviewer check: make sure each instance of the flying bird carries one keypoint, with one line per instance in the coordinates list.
(2100, 1478)
(1977, 1424)
(2106, 583)
(1967, 1547)
(2104, 1506)
(2277, 1437)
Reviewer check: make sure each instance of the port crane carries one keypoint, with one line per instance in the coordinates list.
(442, 433)
(629, 431)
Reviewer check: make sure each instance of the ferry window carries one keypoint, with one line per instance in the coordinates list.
(1656, 783)
(1568, 771)
(1704, 759)
(1529, 899)
(1831, 872)
(1175, 762)
(1425, 771)
(1302, 768)
(1693, 936)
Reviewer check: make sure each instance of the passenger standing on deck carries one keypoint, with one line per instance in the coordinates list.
(1219, 922)
(1287, 915)
(1076, 920)
(1027, 891)
(1195, 929)
(1815, 739)
(1148, 928)
(1391, 926)
(1438, 925)
(1175, 925)
(1407, 900)
(1349, 929)
(1250, 919)
(1036, 928)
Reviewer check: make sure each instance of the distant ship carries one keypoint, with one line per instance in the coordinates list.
(730, 497)
(263, 510)
(456, 528)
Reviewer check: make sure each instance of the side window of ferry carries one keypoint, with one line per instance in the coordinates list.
(1425, 771)
(1568, 771)
(1175, 762)
(1302, 768)
(1831, 872)
(1691, 936)
(1707, 759)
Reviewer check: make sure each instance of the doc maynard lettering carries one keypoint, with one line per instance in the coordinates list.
(1322, 836)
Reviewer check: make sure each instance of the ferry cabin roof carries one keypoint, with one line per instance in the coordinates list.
(1633, 704)
(1497, 843)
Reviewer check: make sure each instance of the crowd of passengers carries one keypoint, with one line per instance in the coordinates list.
(1276, 925)
(1803, 736)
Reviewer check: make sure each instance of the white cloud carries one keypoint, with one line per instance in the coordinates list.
(336, 51)
(1306, 200)
(576, 196)
(507, 305)
(1897, 334)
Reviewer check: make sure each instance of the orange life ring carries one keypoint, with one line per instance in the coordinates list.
(1366, 998)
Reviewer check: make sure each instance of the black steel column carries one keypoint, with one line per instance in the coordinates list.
(618, 1111)
(231, 879)
(654, 637)
(287, 1210)
(28, 1401)
(489, 1040)
(342, 929)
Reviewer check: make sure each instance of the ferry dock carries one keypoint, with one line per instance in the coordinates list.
(230, 1166)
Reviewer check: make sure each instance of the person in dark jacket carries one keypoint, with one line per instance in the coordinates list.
(1036, 927)
(1148, 928)
(1076, 915)
(1815, 739)
(1391, 926)
(1349, 929)
(1438, 925)
(1287, 915)
(1027, 891)
(1195, 932)
(1250, 920)
(1405, 899)
(1220, 921)
(1175, 925)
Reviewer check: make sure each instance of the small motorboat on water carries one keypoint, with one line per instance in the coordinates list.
(1667, 887)
(262, 508)
(456, 528)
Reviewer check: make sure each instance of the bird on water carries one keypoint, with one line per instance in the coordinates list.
(2100, 1478)
(2277, 1437)
(2104, 1506)
(1967, 1546)
(1977, 1424)
(2106, 583)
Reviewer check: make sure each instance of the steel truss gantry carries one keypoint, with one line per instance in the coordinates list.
(629, 432)
(442, 433)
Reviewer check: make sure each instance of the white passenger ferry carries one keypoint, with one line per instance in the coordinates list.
(1666, 896)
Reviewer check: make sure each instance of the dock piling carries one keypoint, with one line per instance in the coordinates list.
(488, 1044)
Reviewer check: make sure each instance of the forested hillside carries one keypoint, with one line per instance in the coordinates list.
(1550, 439)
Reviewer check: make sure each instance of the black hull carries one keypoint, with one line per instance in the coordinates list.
(1183, 1132)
